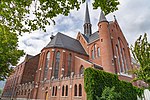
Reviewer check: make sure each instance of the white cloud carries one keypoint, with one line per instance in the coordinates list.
(133, 18)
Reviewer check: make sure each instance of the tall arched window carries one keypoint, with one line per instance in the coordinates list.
(57, 61)
(125, 61)
(25, 92)
(63, 90)
(92, 53)
(75, 90)
(66, 90)
(118, 58)
(56, 91)
(98, 52)
(53, 91)
(95, 50)
(46, 65)
(22, 92)
(69, 65)
(80, 90)
(121, 57)
(81, 70)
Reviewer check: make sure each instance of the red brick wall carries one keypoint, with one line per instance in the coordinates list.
(106, 47)
(31, 66)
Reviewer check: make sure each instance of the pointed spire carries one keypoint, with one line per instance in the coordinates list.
(102, 17)
(87, 24)
(87, 16)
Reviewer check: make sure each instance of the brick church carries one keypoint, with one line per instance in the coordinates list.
(57, 72)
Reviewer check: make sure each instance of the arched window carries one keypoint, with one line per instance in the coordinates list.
(80, 90)
(75, 90)
(66, 90)
(53, 91)
(56, 91)
(92, 53)
(81, 70)
(98, 52)
(118, 58)
(121, 57)
(57, 61)
(63, 90)
(69, 65)
(46, 65)
(125, 61)
(95, 50)
(22, 92)
(25, 92)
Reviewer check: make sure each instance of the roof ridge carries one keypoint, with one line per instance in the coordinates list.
(67, 36)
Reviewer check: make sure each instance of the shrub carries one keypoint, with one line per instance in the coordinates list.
(96, 80)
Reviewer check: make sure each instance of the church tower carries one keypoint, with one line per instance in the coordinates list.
(106, 47)
(87, 24)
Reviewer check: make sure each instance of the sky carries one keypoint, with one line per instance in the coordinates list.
(133, 17)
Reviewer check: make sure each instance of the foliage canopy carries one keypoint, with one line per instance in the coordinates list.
(141, 53)
(9, 54)
(95, 82)
(29, 15)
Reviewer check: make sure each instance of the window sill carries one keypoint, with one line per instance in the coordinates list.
(64, 96)
(78, 97)
(125, 74)
(54, 96)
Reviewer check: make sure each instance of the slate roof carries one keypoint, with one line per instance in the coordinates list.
(62, 41)
(92, 37)
(102, 17)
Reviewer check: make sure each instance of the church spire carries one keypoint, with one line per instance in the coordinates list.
(87, 16)
(87, 24)
(102, 17)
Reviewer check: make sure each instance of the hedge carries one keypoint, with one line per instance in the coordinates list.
(96, 80)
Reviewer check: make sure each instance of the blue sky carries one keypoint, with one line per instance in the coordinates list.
(133, 17)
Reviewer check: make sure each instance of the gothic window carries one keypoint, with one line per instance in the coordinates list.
(92, 53)
(53, 91)
(22, 92)
(118, 57)
(57, 61)
(80, 90)
(125, 60)
(81, 70)
(95, 50)
(56, 91)
(98, 52)
(75, 90)
(25, 92)
(46, 65)
(69, 65)
(66, 90)
(121, 57)
(63, 90)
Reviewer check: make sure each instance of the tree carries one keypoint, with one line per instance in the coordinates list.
(9, 54)
(29, 15)
(141, 53)
(21, 16)
(109, 94)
